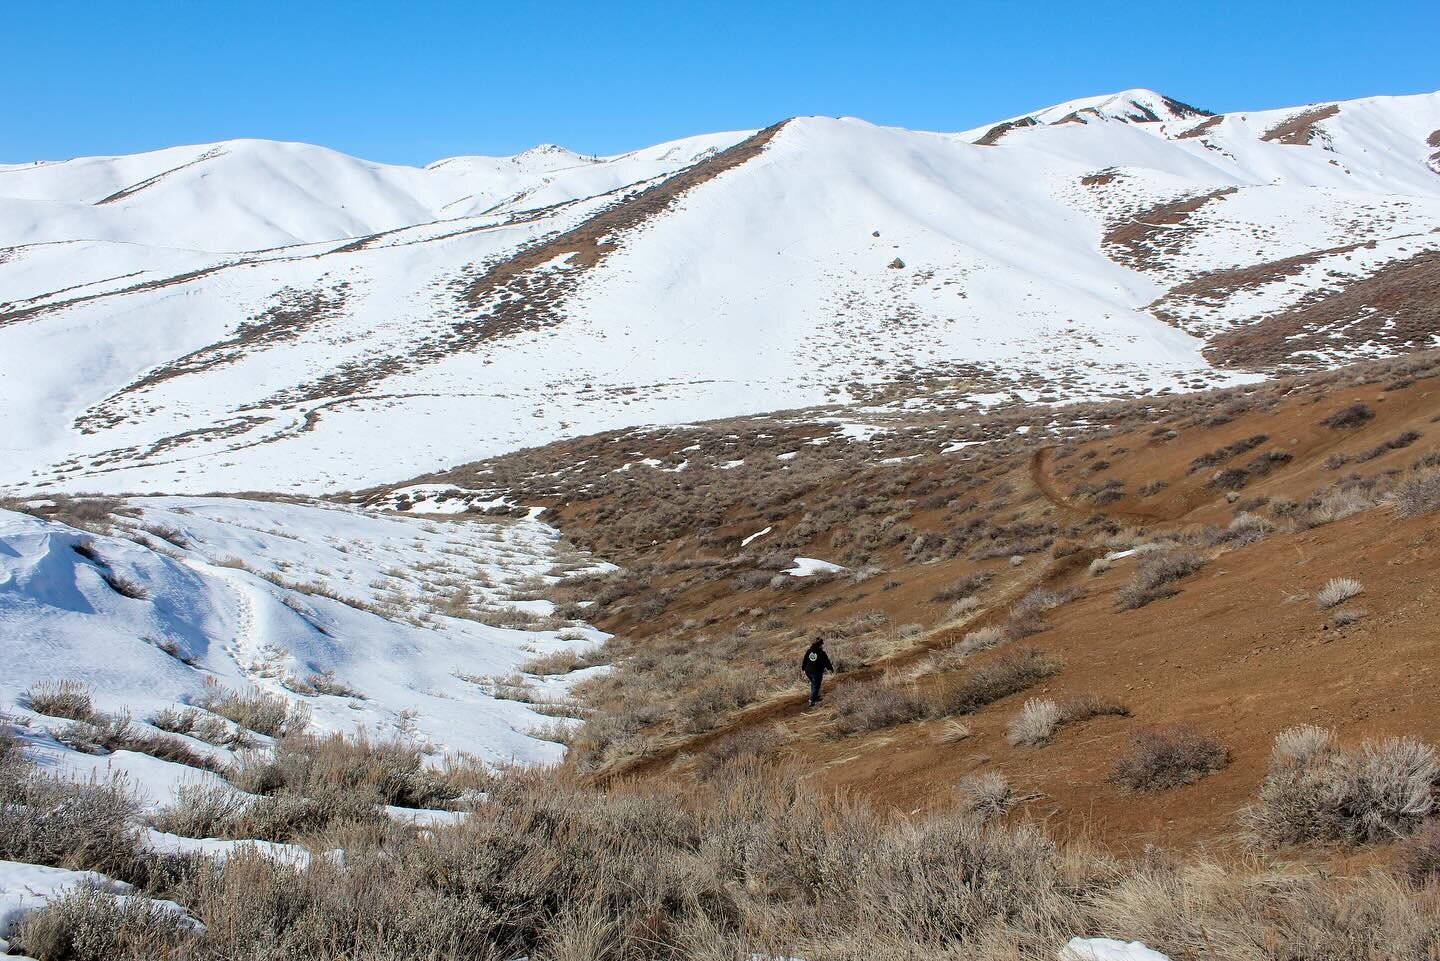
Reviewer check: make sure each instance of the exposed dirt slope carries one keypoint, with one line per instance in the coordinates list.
(1240, 651)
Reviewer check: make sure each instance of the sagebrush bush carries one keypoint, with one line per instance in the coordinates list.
(1167, 757)
(1000, 678)
(1418, 859)
(273, 715)
(868, 707)
(1350, 416)
(1315, 791)
(1419, 495)
(51, 820)
(86, 924)
(1154, 576)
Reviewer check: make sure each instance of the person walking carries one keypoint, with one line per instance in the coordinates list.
(815, 663)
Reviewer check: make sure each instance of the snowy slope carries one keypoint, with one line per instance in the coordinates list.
(423, 318)
(253, 194)
(265, 596)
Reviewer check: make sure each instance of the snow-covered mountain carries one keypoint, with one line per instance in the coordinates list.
(253, 315)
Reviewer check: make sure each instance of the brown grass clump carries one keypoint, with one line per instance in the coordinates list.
(64, 698)
(1418, 859)
(1168, 757)
(273, 715)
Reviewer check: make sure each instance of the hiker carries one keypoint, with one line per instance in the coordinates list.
(815, 664)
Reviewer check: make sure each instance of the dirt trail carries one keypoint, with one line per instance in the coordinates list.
(1044, 481)
(795, 705)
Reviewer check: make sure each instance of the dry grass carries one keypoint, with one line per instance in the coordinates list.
(868, 707)
(63, 698)
(1419, 495)
(1337, 590)
(273, 715)
(726, 868)
(1039, 719)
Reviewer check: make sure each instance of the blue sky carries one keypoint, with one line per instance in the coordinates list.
(412, 82)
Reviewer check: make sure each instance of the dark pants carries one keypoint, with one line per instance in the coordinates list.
(815, 686)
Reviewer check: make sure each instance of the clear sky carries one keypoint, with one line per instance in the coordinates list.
(410, 82)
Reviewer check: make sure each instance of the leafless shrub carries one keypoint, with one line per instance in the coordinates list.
(1152, 487)
(64, 698)
(1036, 722)
(869, 707)
(1347, 417)
(107, 733)
(1336, 591)
(88, 924)
(1161, 758)
(1420, 495)
(1039, 719)
(986, 796)
(1000, 678)
(1323, 793)
(55, 821)
(124, 586)
(325, 682)
(1099, 566)
(1398, 442)
(1345, 616)
(1154, 576)
(749, 744)
(966, 586)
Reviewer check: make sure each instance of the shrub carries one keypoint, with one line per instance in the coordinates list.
(964, 587)
(1161, 758)
(87, 924)
(1000, 678)
(1418, 496)
(1038, 720)
(1398, 442)
(1315, 791)
(987, 795)
(868, 707)
(1336, 591)
(1345, 616)
(50, 820)
(1154, 575)
(749, 744)
(1347, 417)
(108, 733)
(68, 699)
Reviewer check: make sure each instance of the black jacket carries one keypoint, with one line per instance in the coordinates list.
(816, 662)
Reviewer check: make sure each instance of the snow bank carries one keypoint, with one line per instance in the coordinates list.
(1108, 949)
(264, 596)
(807, 566)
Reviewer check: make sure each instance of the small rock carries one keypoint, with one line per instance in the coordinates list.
(896, 264)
